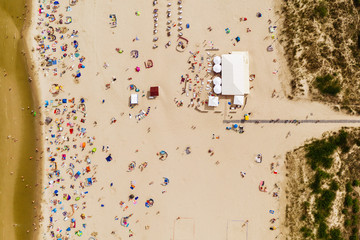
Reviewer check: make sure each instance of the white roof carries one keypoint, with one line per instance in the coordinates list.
(239, 100)
(134, 99)
(235, 73)
(213, 101)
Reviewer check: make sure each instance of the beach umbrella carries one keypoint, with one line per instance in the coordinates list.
(217, 68)
(217, 80)
(217, 89)
(83, 145)
(109, 158)
(56, 3)
(235, 125)
(137, 69)
(217, 60)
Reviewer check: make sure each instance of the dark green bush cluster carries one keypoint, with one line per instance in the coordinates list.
(335, 234)
(327, 85)
(316, 184)
(306, 232)
(352, 219)
(323, 204)
(319, 153)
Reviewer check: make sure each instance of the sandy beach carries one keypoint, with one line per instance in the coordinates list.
(172, 171)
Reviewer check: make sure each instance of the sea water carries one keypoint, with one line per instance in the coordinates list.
(18, 173)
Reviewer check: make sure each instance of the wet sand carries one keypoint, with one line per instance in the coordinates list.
(17, 132)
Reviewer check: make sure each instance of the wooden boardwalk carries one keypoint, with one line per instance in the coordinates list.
(291, 121)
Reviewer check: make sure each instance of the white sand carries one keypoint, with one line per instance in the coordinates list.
(208, 198)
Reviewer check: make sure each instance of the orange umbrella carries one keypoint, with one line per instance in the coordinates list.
(83, 144)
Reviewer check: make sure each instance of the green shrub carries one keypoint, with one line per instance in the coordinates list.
(325, 200)
(355, 208)
(334, 186)
(322, 230)
(335, 234)
(316, 184)
(356, 183)
(341, 141)
(327, 85)
(347, 223)
(354, 237)
(306, 232)
(348, 187)
(321, 10)
(319, 152)
(357, 3)
(355, 220)
(348, 201)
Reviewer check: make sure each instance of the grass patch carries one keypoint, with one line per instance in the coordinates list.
(321, 10)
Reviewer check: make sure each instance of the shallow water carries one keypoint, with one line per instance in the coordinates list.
(17, 132)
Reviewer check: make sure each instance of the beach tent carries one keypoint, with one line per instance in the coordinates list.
(134, 99)
(239, 100)
(154, 92)
(235, 73)
(213, 101)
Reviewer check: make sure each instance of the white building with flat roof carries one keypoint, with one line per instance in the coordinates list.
(235, 74)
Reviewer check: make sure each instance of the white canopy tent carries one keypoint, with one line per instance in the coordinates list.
(235, 73)
(134, 99)
(213, 101)
(239, 100)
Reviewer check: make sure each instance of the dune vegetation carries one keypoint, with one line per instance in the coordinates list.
(322, 44)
